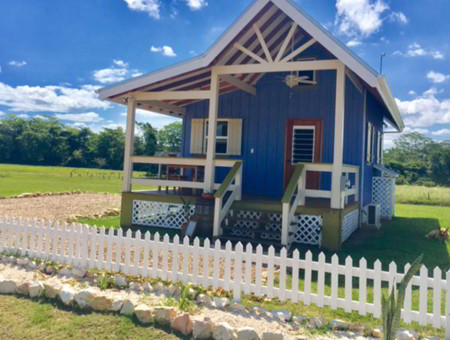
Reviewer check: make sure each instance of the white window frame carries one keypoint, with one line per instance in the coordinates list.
(303, 127)
(379, 147)
(205, 136)
(314, 71)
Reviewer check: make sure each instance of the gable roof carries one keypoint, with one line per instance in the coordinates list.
(274, 18)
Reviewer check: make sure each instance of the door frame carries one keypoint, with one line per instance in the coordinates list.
(288, 131)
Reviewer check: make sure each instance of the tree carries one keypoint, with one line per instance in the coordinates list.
(150, 140)
(108, 148)
(169, 137)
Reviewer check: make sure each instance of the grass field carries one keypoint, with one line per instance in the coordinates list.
(19, 179)
(25, 319)
(408, 194)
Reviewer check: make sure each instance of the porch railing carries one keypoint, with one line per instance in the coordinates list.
(297, 182)
(176, 161)
(297, 187)
(221, 210)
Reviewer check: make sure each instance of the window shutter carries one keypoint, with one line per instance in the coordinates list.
(197, 136)
(235, 137)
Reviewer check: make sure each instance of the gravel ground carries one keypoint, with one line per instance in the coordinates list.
(59, 208)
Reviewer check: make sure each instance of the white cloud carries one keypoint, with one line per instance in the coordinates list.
(2, 113)
(50, 98)
(149, 6)
(164, 50)
(437, 77)
(354, 43)
(17, 63)
(136, 74)
(412, 93)
(415, 50)
(398, 16)
(40, 117)
(110, 75)
(23, 116)
(196, 4)
(425, 110)
(88, 117)
(389, 138)
(359, 17)
(442, 132)
(120, 63)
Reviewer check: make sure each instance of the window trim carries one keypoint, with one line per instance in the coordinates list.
(206, 137)
(369, 146)
(304, 127)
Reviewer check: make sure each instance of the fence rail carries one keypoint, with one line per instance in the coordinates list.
(236, 269)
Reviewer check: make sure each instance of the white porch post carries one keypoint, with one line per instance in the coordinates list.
(338, 138)
(210, 152)
(129, 139)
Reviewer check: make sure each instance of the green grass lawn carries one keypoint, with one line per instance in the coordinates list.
(19, 179)
(408, 194)
(22, 318)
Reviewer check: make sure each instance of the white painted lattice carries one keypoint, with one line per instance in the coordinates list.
(308, 229)
(159, 214)
(350, 225)
(252, 223)
(383, 193)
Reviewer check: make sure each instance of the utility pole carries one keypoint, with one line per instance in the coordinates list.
(381, 62)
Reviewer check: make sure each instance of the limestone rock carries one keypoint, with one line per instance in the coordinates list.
(12, 260)
(238, 307)
(158, 286)
(192, 293)
(7, 286)
(377, 333)
(203, 329)
(51, 289)
(128, 307)
(23, 289)
(84, 297)
(300, 319)
(50, 270)
(22, 261)
(121, 281)
(317, 322)
(357, 328)
(144, 314)
(221, 302)
(36, 289)
(258, 309)
(272, 336)
(224, 331)
(147, 287)
(79, 272)
(136, 286)
(403, 334)
(247, 333)
(65, 272)
(117, 305)
(338, 325)
(32, 265)
(174, 291)
(182, 324)
(102, 303)
(67, 295)
(203, 299)
(284, 314)
(165, 315)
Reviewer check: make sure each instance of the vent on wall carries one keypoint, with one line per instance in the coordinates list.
(303, 144)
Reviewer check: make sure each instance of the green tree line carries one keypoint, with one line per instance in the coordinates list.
(51, 142)
(419, 160)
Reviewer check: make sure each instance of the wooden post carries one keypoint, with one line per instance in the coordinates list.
(338, 138)
(129, 139)
(210, 152)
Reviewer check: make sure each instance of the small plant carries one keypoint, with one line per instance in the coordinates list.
(186, 208)
(106, 282)
(185, 303)
(391, 305)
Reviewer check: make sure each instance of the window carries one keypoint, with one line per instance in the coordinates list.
(303, 144)
(369, 149)
(379, 147)
(310, 76)
(221, 137)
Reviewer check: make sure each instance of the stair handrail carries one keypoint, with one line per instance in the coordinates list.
(297, 181)
(220, 212)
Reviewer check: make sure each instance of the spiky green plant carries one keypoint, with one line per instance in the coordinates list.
(391, 305)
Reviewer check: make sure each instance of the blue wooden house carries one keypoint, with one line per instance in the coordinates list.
(282, 134)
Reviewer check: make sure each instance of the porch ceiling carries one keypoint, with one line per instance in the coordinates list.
(274, 26)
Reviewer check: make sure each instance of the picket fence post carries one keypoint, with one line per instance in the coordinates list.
(321, 280)
(295, 273)
(237, 272)
(408, 298)
(423, 309)
(447, 333)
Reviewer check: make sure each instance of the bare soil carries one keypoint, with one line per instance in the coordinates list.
(59, 207)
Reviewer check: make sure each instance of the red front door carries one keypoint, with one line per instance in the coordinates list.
(303, 144)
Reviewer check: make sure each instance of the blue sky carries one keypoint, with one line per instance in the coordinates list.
(54, 54)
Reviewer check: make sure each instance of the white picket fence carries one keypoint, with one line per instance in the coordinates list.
(235, 269)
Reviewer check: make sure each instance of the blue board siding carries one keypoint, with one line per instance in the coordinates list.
(375, 113)
(264, 117)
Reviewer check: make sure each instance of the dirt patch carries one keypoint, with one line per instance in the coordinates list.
(61, 207)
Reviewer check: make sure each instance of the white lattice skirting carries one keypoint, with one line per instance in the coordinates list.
(159, 214)
(307, 231)
(383, 193)
(350, 225)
